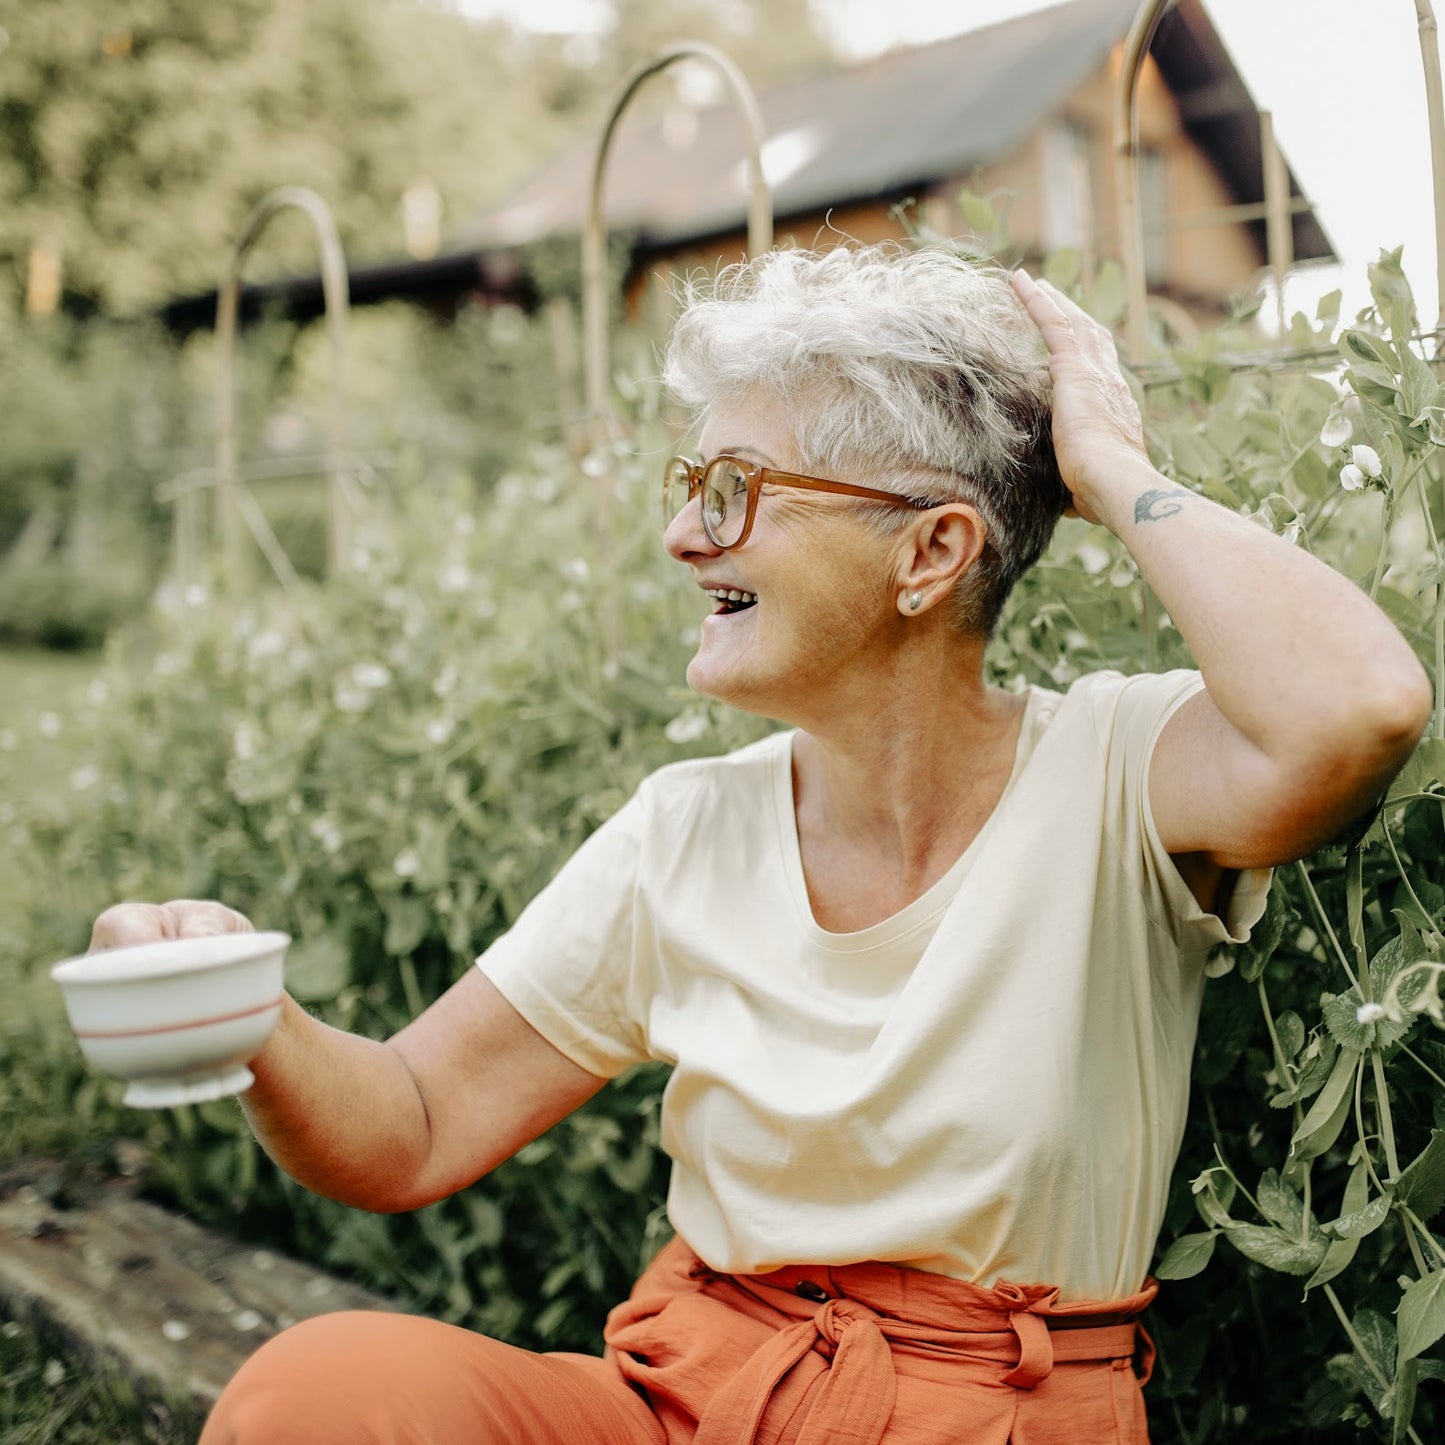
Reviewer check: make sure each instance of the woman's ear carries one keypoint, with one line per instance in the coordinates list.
(940, 547)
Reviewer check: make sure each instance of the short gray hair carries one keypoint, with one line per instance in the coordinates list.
(916, 369)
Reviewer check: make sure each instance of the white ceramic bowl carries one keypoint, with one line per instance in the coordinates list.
(180, 1019)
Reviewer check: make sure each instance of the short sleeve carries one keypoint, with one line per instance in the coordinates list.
(570, 964)
(1131, 713)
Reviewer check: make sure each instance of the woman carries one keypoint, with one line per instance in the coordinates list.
(928, 964)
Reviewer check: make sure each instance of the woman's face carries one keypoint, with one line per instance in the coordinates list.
(825, 586)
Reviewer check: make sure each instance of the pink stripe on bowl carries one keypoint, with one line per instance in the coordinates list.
(244, 1013)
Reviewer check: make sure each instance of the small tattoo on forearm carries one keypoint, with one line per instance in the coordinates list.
(1156, 504)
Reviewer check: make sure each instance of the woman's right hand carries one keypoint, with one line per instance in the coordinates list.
(124, 924)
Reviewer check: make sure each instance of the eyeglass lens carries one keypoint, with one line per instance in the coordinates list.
(724, 497)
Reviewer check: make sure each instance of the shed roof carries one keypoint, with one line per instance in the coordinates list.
(886, 126)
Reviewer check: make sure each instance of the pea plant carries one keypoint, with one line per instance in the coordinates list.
(1316, 1147)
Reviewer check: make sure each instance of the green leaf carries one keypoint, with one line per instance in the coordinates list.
(1291, 1031)
(1398, 1402)
(1321, 1126)
(1280, 1204)
(1421, 1316)
(1214, 1192)
(1361, 346)
(1341, 1253)
(1363, 1221)
(1186, 1256)
(319, 966)
(1422, 773)
(1266, 936)
(1276, 1250)
(1421, 1185)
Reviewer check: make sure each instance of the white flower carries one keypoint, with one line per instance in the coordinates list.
(454, 578)
(266, 644)
(53, 1373)
(1367, 459)
(544, 489)
(196, 595)
(349, 698)
(446, 681)
(1291, 533)
(243, 742)
(1370, 1013)
(1338, 428)
(176, 1331)
(245, 1320)
(1063, 671)
(406, 864)
(326, 833)
(686, 727)
(98, 693)
(372, 675)
(49, 725)
(83, 778)
(1351, 477)
(570, 600)
(575, 569)
(594, 465)
(439, 729)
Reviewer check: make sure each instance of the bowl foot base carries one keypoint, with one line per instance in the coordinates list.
(188, 1088)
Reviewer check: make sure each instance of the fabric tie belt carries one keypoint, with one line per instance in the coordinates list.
(1023, 1328)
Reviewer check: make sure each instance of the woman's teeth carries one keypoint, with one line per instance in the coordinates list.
(731, 598)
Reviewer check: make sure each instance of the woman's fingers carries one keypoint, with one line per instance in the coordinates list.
(125, 924)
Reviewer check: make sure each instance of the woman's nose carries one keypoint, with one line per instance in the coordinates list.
(685, 536)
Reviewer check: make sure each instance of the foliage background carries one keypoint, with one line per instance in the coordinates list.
(499, 673)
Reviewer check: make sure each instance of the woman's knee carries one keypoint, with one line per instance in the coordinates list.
(339, 1377)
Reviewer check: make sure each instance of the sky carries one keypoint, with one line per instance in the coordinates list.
(1343, 78)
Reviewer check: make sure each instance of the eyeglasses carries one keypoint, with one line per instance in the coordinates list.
(730, 488)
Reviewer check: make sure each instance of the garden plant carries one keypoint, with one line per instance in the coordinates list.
(388, 764)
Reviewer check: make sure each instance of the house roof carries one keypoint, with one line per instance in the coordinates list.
(884, 127)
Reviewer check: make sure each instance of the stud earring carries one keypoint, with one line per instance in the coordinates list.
(915, 601)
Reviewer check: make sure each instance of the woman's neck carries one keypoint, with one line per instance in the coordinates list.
(889, 793)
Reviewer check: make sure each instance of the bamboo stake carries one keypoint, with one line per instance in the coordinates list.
(1278, 228)
(1430, 56)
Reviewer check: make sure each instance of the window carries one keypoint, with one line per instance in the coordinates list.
(1068, 218)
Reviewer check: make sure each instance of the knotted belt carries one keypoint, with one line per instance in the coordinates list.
(1024, 1328)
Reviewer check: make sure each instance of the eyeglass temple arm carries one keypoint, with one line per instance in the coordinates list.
(817, 484)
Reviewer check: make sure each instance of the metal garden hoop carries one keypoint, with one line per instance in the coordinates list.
(596, 362)
(237, 504)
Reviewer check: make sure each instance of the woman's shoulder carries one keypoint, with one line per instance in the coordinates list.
(736, 777)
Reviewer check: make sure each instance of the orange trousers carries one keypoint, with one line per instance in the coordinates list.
(859, 1354)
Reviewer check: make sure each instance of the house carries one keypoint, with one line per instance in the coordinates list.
(1020, 110)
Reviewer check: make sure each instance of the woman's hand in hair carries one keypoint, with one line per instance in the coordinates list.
(1098, 433)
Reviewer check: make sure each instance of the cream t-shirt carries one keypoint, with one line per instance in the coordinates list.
(990, 1084)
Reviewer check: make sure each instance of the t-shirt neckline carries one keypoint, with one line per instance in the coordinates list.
(928, 905)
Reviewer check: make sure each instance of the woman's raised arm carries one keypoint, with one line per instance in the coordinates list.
(1312, 698)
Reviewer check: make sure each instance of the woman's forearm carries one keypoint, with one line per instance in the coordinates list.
(1295, 656)
(339, 1113)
